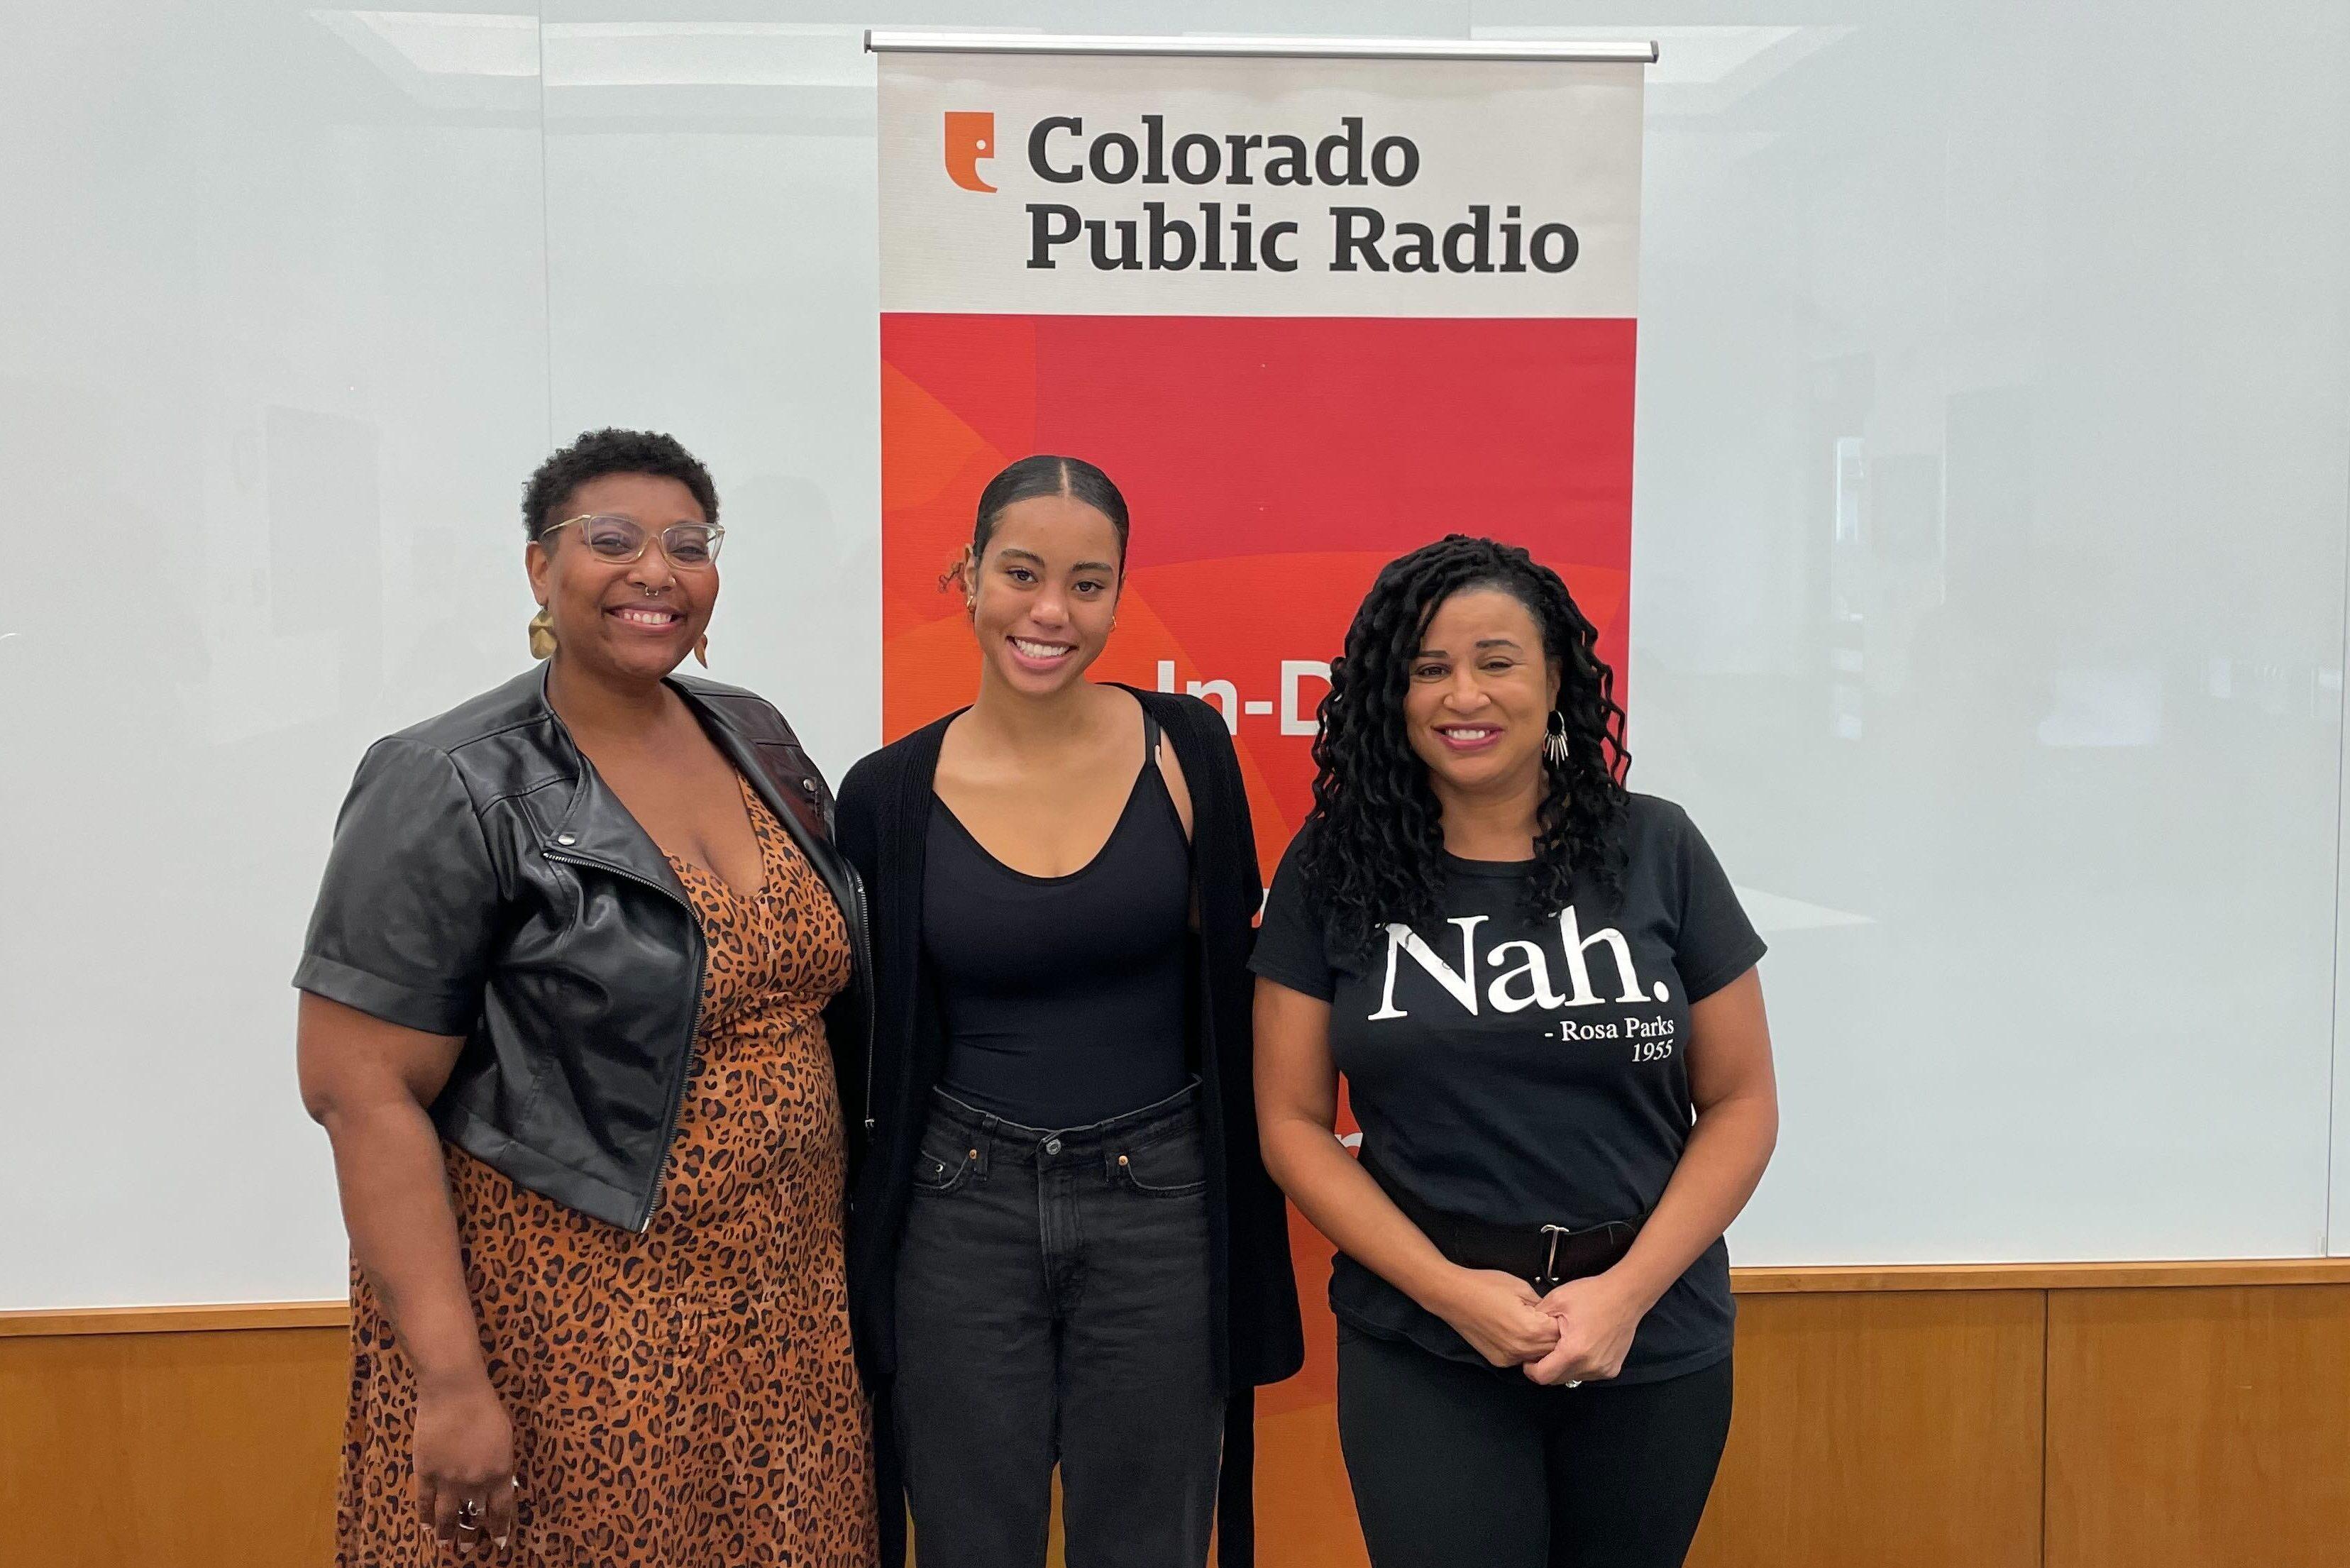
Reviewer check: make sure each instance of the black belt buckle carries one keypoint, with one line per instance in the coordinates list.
(1590, 1250)
(1548, 1280)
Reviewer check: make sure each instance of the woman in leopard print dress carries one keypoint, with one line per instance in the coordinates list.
(565, 1019)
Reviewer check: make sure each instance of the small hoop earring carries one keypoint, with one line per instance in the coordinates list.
(1554, 745)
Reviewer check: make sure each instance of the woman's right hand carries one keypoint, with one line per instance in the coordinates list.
(1498, 1314)
(464, 1453)
(370, 1083)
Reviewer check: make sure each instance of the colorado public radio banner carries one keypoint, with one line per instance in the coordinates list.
(1309, 312)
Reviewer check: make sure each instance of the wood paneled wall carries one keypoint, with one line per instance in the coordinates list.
(213, 1448)
(2152, 1417)
(1883, 1429)
(2199, 1428)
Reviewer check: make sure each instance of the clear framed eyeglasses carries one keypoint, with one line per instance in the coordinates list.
(689, 547)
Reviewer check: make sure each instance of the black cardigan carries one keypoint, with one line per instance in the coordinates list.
(883, 825)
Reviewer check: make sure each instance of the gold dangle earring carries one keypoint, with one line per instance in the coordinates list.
(701, 650)
(542, 633)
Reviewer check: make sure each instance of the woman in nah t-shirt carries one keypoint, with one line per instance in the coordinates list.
(1542, 992)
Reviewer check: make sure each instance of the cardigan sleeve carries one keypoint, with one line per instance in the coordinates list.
(1237, 842)
(855, 812)
(1266, 1343)
(1243, 825)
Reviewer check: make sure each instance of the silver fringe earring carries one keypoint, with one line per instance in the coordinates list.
(1554, 746)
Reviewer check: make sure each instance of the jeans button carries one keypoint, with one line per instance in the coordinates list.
(1052, 1146)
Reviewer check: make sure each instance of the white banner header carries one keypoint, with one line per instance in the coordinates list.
(1124, 185)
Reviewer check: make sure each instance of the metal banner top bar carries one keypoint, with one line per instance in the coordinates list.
(881, 41)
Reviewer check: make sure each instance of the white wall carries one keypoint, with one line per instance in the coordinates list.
(2035, 772)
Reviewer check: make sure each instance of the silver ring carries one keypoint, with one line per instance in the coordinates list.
(469, 1513)
(1574, 1383)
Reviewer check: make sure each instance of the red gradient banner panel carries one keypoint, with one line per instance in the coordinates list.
(1273, 465)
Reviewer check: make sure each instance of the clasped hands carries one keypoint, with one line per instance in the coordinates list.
(1579, 1332)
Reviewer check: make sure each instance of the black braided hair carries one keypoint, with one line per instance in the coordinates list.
(1372, 847)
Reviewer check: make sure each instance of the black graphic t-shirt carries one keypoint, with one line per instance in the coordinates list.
(1530, 1072)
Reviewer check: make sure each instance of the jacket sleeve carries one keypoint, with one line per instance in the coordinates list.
(408, 910)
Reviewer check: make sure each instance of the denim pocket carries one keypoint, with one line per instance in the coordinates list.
(941, 1168)
(1172, 1166)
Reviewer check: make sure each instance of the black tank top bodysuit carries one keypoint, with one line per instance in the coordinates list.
(1064, 997)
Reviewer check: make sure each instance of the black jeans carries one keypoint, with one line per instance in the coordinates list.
(1052, 1304)
(1453, 1464)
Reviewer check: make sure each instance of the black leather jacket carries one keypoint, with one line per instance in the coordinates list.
(484, 882)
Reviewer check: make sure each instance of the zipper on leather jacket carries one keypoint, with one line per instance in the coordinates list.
(684, 1082)
(872, 989)
(701, 951)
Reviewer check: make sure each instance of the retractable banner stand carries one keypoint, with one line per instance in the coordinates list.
(1310, 304)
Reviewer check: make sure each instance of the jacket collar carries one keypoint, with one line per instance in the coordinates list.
(597, 828)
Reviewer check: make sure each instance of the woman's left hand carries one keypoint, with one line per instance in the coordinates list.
(1597, 1319)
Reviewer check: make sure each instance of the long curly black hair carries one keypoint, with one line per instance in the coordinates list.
(1372, 848)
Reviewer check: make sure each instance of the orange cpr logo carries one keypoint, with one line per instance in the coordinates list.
(969, 141)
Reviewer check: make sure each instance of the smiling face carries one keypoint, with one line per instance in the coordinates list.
(1478, 704)
(631, 621)
(1044, 593)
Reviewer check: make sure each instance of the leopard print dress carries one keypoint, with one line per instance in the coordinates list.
(683, 1397)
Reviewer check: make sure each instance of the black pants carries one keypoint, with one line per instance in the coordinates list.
(1052, 1304)
(1453, 1464)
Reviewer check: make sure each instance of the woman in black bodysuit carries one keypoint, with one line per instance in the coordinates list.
(1064, 1249)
